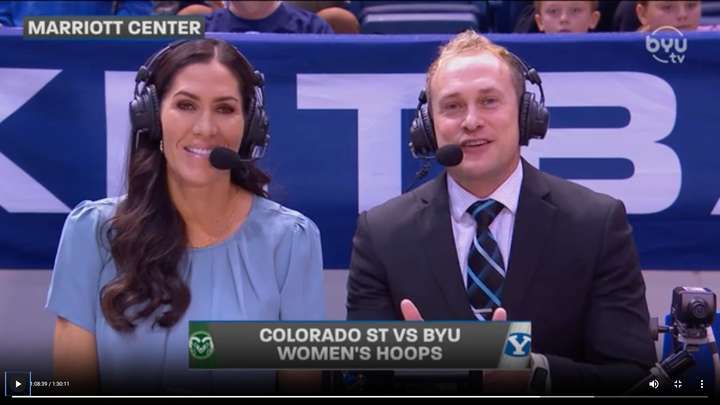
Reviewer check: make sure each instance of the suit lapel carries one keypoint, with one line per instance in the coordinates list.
(437, 246)
(534, 223)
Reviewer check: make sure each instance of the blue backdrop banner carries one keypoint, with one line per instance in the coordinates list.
(632, 115)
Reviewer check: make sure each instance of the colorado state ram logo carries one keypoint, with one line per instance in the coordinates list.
(201, 345)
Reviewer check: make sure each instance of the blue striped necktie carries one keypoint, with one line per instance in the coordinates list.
(485, 267)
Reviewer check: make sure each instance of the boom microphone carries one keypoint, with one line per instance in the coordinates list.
(225, 159)
(449, 155)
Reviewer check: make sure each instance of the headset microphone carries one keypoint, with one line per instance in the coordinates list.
(226, 159)
(449, 155)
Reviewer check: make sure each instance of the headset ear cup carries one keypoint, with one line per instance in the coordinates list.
(135, 115)
(154, 115)
(536, 119)
(257, 126)
(428, 129)
(533, 116)
(144, 115)
(417, 138)
(541, 121)
(246, 143)
(422, 138)
(524, 117)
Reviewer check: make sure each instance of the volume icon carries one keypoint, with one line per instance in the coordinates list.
(654, 384)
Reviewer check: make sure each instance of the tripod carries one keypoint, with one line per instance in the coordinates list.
(685, 340)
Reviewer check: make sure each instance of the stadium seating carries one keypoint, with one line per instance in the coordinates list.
(710, 13)
(387, 17)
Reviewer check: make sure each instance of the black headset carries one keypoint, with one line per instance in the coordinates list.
(533, 118)
(145, 110)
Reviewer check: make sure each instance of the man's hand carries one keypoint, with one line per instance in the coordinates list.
(494, 381)
(411, 313)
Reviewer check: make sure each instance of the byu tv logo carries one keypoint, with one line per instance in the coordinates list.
(666, 45)
(518, 345)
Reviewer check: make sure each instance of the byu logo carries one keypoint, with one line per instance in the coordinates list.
(518, 345)
(201, 345)
(666, 45)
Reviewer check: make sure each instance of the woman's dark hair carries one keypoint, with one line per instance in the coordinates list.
(147, 234)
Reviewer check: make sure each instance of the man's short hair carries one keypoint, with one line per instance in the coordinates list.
(470, 42)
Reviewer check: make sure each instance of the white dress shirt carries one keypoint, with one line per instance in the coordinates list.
(464, 225)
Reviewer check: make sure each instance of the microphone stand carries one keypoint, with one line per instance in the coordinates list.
(665, 372)
(684, 342)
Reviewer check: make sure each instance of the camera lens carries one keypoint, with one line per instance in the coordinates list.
(698, 309)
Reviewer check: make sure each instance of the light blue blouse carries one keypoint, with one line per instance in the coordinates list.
(269, 269)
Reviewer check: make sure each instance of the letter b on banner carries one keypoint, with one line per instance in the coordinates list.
(655, 184)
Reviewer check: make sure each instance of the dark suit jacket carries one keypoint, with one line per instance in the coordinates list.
(573, 272)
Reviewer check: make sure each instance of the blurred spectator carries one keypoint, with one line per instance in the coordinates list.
(340, 19)
(625, 18)
(165, 7)
(526, 19)
(607, 12)
(554, 17)
(198, 7)
(683, 15)
(13, 12)
(265, 16)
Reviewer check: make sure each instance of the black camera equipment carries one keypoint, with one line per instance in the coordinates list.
(692, 313)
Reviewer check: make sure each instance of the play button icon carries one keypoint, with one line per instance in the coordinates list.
(17, 383)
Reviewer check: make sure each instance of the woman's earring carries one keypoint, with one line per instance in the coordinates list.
(161, 146)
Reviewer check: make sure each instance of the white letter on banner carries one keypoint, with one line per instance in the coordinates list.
(716, 209)
(379, 99)
(118, 93)
(657, 178)
(36, 27)
(20, 193)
